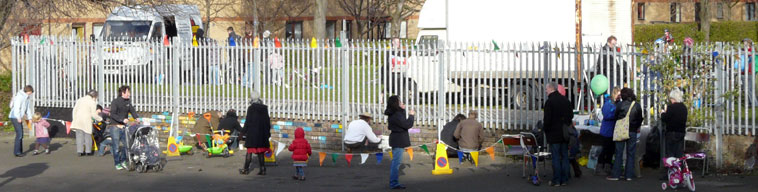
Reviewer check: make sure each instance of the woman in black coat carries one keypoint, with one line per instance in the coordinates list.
(257, 131)
(398, 124)
(630, 106)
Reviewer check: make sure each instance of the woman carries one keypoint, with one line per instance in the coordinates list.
(675, 118)
(630, 106)
(606, 131)
(398, 124)
(85, 110)
(257, 131)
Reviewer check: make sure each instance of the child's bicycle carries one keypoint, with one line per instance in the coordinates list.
(219, 144)
(679, 172)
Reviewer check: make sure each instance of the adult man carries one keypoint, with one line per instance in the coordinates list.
(470, 133)
(359, 134)
(610, 64)
(21, 106)
(557, 114)
(121, 107)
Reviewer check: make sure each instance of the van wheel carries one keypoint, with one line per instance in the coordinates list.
(520, 97)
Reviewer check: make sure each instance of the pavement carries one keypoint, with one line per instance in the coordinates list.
(62, 170)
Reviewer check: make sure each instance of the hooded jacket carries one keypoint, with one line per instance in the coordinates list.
(120, 110)
(257, 127)
(300, 147)
(20, 106)
(609, 118)
(230, 122)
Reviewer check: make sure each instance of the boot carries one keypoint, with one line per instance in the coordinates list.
(262, 165)
(576, 167)
(244, 171)
(81, 154)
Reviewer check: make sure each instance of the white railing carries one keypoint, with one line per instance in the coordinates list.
(329, 80)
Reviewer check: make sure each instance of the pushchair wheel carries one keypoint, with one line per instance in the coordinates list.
(142, 168)
(226, 153)
(131, 166)
(664, 186)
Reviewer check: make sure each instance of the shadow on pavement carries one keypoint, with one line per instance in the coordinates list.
(25, 171)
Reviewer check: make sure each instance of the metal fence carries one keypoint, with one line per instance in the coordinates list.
(332, 80)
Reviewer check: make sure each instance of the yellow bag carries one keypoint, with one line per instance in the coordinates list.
(621, 131)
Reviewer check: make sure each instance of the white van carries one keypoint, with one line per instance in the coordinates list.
(128, 30)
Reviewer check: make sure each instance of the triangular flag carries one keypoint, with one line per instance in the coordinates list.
(165, 40)
(334, 158)
(255, 42)
(475, 156)
(348, 158)
(47, 115)
(321, 157)
(410, 152)
(496, 47)
(337, 43)
(491, 152)
(314, 44)
(425, 148)
(26, 38)
(194, 41)
(280, 147)
(68, 127)
(277, 43)
(42, 41)
(379, 158)
(232, 42)
(460, 157)
(500, 141)
(364, 156)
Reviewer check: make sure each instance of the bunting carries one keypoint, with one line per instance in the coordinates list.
(364, 156)
(280, 147)
(475, 156)
(314, 44)
(165, 41)
(334, 158)
(460, 157)
(410, 152)
(491, 151)
(277, 43)
(348, 158)
(379, 158)
(321, 157)
(425, 148)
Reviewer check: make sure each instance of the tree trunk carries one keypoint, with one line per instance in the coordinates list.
(319, 19)
(207, 23)
(705, 21)
(396, 19)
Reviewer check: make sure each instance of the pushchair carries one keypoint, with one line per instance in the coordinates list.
(143, 149)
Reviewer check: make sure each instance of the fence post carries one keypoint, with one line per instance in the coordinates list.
(256, 74)
(344, 89)
(441, 92)
(175, 72)
(100, 71)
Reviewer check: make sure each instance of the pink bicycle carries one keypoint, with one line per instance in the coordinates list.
(679, 172)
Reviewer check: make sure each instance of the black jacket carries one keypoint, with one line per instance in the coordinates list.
(558, 112)
(257, 127)
(230, 122)
(399, 125)
(675, 118)
(635, 117)
(606, 64)
(120, 110)
(448, 133)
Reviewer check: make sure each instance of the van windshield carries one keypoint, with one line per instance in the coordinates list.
(121, 30)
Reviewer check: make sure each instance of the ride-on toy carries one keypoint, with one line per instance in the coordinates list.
(218, 144)
(679, 172)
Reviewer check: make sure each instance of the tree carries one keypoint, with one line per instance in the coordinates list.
(319, 19)
(268, 12)
(730, 4)
(367, 13)
(705, 19)
(401, 9)
(212, 8)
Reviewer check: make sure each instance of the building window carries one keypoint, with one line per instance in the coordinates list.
(676, 12)
(750, 11)
(77, 31)
(331, 26)
(697, 12)
(720, 10)
(295, 29)
(347, 27)
(96, 29)
(403, 30)
(641, 11)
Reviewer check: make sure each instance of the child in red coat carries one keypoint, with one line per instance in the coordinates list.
(301, 150)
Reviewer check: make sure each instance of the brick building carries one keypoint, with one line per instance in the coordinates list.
(687, 11)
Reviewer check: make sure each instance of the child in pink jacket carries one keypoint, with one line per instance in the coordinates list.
(40, 131)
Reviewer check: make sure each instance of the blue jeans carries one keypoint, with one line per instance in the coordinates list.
(397, 159)
(300, 171)
(18, 145)
(560, 162)
(118, 137)
(630, 145)
(101, 146)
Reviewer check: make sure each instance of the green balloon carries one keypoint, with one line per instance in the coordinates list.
(599, 84)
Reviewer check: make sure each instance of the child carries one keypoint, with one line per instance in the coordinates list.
(40, 131)
(301, 150)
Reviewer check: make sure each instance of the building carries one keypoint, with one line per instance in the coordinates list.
(688, 11)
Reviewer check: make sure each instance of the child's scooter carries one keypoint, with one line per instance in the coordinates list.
(679, 172)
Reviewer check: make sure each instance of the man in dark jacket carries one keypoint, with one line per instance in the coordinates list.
(121, 107)
(231, 123)
(557, 114)
(611, 64)
(448, 135)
